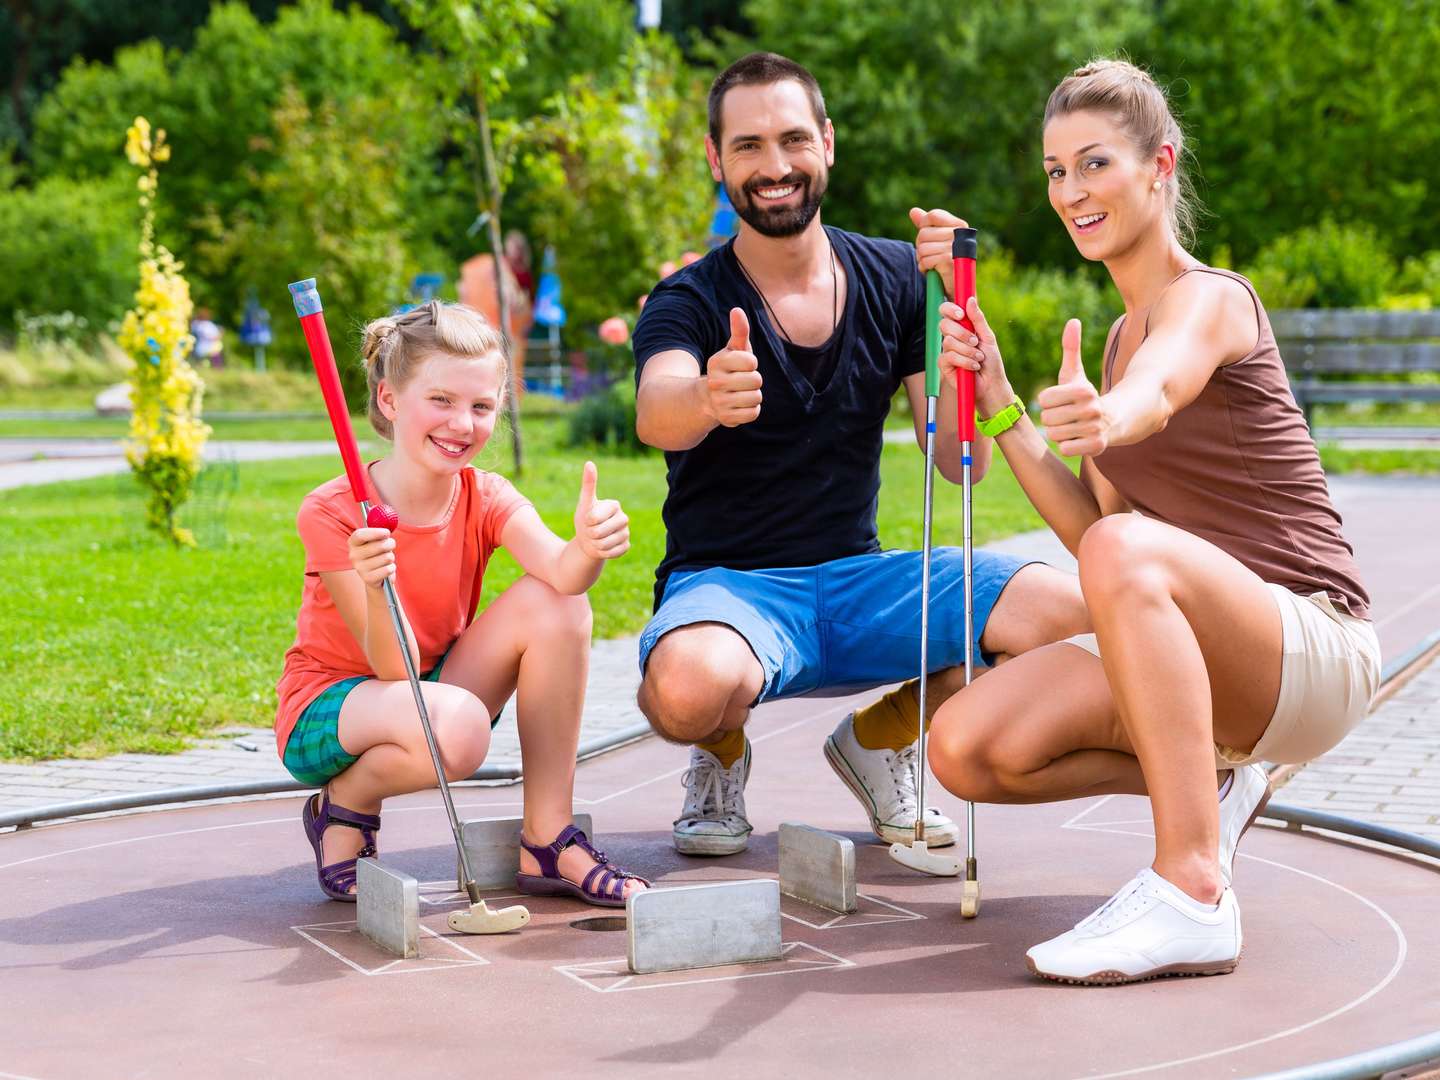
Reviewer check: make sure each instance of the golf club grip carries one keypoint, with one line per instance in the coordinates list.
(317, 339)
(934, 297)
(962, 250)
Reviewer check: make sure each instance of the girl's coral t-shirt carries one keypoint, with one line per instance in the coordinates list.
(439, 567)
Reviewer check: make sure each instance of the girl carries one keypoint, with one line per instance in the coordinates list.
(1230, 622)
(347, 720)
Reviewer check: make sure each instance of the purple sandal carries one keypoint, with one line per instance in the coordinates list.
(604, 885)
(338, 878)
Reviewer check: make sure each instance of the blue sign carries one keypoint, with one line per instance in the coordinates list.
(726, 222)
(255, 329)
(549, 311)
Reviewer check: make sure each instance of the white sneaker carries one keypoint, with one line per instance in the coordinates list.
(884, 782)
(1148, 929)
(1249, 793)
(713, 820)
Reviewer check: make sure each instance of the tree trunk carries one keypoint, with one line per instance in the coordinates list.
(502, 305)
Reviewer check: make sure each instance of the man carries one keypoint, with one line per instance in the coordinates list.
(765, 372)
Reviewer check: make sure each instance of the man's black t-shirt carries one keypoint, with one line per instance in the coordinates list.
(799, 485)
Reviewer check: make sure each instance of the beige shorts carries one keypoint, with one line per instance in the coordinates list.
(1328, 675)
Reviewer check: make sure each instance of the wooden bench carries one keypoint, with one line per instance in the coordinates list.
(1357, 341)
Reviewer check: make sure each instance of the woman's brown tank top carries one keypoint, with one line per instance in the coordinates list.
(1237, 467)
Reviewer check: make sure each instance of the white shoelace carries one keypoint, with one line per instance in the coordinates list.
(713, 793)
(1117, 909)
(902, 771)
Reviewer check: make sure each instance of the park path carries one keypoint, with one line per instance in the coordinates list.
(1388, 771)
(24, 462)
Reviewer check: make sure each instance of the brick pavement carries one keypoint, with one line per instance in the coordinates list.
(1388, 770)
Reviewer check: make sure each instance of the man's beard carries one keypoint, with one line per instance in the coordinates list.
(778, 222)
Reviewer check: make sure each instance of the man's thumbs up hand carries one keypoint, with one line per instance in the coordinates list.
(732, 377)
(1071, 411)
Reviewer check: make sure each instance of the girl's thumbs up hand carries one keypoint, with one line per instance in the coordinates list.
(601, 527)
(1071, 411)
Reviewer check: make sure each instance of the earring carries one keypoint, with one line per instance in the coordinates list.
(1156, 185)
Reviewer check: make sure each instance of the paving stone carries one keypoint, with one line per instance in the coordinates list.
(387, 908)
(697, 926)
(817, 867)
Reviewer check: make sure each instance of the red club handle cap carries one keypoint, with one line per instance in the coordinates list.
(382, 516)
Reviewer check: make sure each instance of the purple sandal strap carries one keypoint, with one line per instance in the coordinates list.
(341, 815)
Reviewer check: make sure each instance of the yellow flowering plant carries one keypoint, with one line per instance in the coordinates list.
(167, 436)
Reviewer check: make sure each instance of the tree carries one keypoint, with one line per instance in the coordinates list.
(619, 177)
(484, 42)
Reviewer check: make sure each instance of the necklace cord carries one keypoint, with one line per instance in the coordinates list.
(834, 297)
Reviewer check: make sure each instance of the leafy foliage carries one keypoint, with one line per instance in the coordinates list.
(1324, 265)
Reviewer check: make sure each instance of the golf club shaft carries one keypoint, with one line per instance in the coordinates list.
(969, 551)
(925, 611)
(402, 638)
(963, 252)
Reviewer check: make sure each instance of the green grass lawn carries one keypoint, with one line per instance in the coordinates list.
(114, 642)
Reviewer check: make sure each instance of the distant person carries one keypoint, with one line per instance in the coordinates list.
(209, 342)
(1231, 625)
(517, 255)
(346, 721)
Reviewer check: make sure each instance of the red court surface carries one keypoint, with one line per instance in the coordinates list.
(195, 942)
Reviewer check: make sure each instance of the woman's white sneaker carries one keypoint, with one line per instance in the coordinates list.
(713, 821)
(1148, 929)
(884, 782)
(1243, 803)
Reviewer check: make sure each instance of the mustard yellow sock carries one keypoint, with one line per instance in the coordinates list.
(728, 746)
(893, 722)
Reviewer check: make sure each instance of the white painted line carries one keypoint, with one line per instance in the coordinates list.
(856, 918)
(417, 966)
(1401, 950)
(659, 981)
(1424, 597)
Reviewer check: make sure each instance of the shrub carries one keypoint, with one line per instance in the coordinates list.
(1027, 309)
(1324, 266)
(607, 419)
(1421, 276)
(69, 247)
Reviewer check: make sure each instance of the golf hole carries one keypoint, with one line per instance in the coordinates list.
(600, 922)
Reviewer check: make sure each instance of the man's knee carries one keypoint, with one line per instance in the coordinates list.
(1038, 606)
(691, 679)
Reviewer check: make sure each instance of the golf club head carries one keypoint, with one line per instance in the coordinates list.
(918, 856)
(479, 919)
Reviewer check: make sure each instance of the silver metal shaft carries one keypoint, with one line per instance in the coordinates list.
(965, 450)
(925, 612)
(392, 601)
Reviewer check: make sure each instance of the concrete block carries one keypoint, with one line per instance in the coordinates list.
(698, 926)
(387, 908)
(817, 867)
(493, 845)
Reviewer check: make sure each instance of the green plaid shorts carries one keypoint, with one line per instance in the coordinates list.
(313, 754)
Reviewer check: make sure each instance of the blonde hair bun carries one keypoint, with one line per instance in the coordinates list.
(394, 346)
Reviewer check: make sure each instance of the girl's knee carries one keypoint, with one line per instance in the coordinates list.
(462, 733)
(555, 613)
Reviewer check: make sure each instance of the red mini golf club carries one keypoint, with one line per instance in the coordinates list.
(479, 919)
(917, 855)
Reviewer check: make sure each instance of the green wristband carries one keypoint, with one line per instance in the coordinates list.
(1002, 421)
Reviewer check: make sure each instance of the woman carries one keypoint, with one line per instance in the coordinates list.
(1230, 622)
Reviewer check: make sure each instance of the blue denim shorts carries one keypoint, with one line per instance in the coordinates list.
(842, 626)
